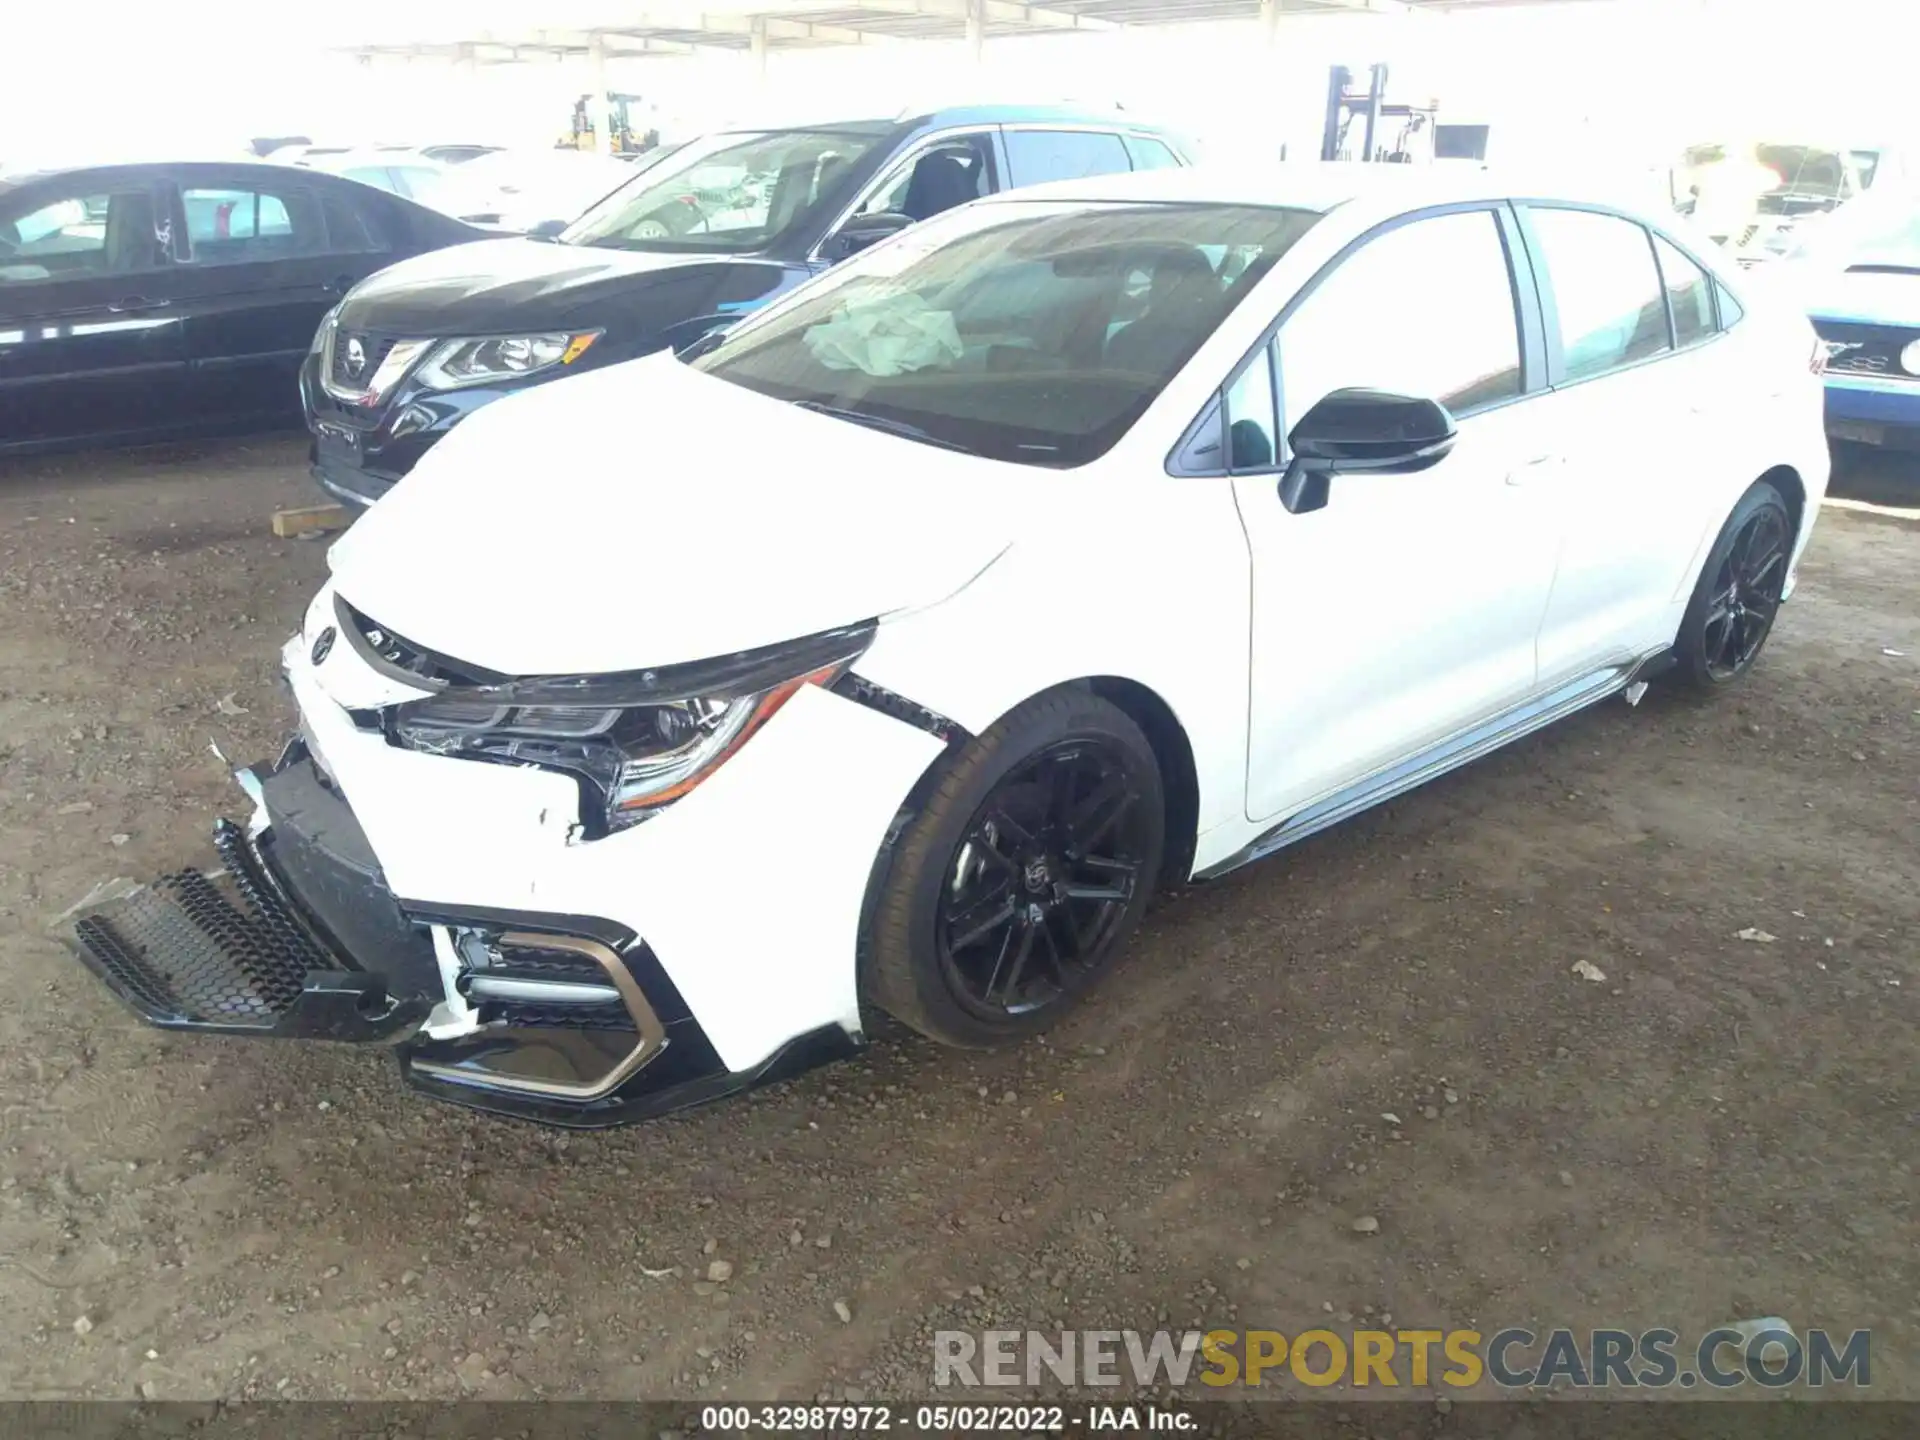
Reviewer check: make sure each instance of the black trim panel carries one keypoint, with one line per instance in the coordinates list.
(873, 696)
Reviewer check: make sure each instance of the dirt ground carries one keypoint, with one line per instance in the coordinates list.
(1720, 1129)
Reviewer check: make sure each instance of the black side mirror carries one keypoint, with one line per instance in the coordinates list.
(864, 230)
(547, 230)
(1362, 430)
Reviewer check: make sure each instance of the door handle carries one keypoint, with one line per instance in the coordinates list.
(1521, 474)
(134, 304)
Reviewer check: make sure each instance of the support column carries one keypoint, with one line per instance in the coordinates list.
(977, 29)
(757, 50)
(1270, 22)
(598, 111)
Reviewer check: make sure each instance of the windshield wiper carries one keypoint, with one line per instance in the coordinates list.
(880, 423)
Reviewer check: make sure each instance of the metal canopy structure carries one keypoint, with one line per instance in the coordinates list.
(680, 27)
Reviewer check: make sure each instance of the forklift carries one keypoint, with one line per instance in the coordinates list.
(1413, 140)
(625, 143)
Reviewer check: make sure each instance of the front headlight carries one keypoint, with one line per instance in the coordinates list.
(459, 363)
(640, 740)
(1910, 358)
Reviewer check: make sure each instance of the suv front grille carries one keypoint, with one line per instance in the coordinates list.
(373, 350)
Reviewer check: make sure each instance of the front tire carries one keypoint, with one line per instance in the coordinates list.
(1015, 889)
(1737, 597)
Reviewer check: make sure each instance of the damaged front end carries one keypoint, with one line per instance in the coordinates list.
(561, 1019)
(233, 951)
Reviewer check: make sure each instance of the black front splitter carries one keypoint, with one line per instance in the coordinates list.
(662, 1088)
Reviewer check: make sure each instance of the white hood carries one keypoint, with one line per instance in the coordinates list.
(647, 515)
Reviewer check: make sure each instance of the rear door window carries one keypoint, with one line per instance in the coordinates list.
(1689, 293)
(1606, 289)
(241, 226)
(1037, 156)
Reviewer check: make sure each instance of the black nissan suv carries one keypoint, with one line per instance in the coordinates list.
(713, 231)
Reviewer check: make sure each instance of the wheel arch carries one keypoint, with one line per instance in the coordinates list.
(1792, 486)
(1172, 751)
(1793, 489)
(1179, 776)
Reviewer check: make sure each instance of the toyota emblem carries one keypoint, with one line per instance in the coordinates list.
(356, 357)
(323, 645)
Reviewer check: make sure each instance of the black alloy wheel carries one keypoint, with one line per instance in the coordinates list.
(1746, 594)
(1738, 595)
(1042, 879)
(1018, 882)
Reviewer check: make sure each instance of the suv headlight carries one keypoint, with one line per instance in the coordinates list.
(640, 740)
(459, 363)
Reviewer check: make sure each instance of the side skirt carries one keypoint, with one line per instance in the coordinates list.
(1451, 753)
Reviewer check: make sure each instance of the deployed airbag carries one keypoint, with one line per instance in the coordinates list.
(885, 335)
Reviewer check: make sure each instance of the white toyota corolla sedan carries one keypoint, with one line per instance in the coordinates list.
(891, 649)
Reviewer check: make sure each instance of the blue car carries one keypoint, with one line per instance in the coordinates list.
(1865, 304)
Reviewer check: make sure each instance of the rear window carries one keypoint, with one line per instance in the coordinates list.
(1031, 333)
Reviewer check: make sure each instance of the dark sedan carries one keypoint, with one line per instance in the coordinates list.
(718, 228)
(149, 302)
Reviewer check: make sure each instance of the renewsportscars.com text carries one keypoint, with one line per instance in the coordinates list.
(1512, 1359)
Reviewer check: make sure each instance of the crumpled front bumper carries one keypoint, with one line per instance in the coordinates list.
(296, 936)
(383, 894)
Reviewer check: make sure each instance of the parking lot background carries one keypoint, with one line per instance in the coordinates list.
(1719, 1129)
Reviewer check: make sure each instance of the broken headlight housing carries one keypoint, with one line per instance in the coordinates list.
(638, 740)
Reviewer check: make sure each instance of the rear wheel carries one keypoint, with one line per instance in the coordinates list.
(1016, 888)
(1732, 610)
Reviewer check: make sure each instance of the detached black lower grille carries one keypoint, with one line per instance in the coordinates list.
(186, 954)
(227, 954)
